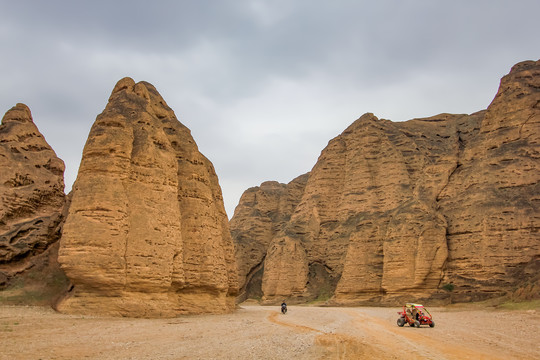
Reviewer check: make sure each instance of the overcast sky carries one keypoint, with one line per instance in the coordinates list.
(263, 85)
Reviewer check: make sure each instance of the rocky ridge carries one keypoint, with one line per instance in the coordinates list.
(444, 207)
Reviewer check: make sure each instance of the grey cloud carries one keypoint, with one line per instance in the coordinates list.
(263, 85)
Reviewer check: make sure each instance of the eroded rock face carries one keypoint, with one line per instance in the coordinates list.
(396, 212)
(262, 212)
(147, 234)
(492, 199)
(31, 188)
(32, 205)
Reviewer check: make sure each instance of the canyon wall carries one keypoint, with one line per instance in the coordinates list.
(492, 198)
(442, 208)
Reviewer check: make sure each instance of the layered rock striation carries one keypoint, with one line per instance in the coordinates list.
(444, 208)
(262, 213)
(31, 193)
(492, 199)
(146, 234)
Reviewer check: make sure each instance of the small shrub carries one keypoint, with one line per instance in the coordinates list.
(449, 287)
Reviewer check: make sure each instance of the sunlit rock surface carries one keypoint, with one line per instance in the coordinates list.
(442, 208)
(147, 234)
(31, 203)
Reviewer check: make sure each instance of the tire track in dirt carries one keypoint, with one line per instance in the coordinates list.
(335, 345)
(388, 335)
(273, 317)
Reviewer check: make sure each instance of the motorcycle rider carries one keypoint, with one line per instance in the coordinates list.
(283, 307)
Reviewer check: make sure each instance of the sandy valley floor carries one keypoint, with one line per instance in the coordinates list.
(255, 332)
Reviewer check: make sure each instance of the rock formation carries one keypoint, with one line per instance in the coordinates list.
(492, 198)
(31, 194)
(261, 214)
(147, 234)
(444, 208)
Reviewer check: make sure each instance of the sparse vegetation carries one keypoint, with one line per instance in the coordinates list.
(34, 288)
(7, 327)
(325, 293)
(521, 305)
(449, 287)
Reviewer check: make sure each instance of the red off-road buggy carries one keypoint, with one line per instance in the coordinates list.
(415, 315)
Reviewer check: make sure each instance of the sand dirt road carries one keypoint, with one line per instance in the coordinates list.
(255, 332)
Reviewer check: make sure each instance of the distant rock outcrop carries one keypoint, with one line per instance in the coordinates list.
(262, 213)
(147, 234)
(445, 207)
(31, 193)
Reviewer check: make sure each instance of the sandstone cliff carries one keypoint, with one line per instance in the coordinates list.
(262, 213)
(492, 198)
(31, 202)
(444, 207)
(147, 233)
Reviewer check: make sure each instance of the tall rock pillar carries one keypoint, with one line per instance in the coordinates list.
(147, 234)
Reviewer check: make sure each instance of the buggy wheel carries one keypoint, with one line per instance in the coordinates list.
(432, 324)
(400, 322)
(417, 323)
